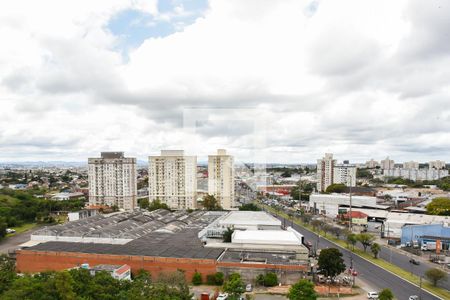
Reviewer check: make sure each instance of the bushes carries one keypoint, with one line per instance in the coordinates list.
(215, 279)
(270, 279)
(197, 278)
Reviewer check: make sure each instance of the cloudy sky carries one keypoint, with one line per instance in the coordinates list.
(281, 81)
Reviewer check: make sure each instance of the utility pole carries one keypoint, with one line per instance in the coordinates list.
(350, 210)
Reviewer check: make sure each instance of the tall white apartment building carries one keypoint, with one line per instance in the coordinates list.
(325, 169)
(372, 164)
(112, 180)
(436, 164)
(387, 164)
(411, 165)
(221, 178)
(345, 174)
(172, 179)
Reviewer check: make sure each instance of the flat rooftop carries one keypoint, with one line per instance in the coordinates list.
(279, 258)
(182, 244)
(278, 237)
(250, 218)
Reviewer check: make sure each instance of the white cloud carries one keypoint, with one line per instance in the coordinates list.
(359, 79)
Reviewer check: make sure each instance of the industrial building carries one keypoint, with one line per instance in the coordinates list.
(163, 241)
(331, 204)
(437, 235)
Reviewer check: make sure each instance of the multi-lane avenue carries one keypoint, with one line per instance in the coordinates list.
(377, 277)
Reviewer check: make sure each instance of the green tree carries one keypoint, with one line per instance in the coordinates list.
(386, 294)
(317, 224)
(352, 239)
(64, 286)
(227, 235)
(270, 279)
(144, 203)
(197, 278)
(7, 272)
(331, 262)
(435, 275)
(219, 278)
(249, 207)
(336, 188)
(302, 290)
(375, 248)
(439, 206)
(260, 280)
(157, 204)
(234, 286)
(365, 239)
(210, 203)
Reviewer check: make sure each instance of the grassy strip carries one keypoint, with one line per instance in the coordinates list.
(377, 261)
(22, 228)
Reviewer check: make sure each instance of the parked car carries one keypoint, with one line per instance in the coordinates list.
(372, 295)
(248, 288)
(223, 296)
(9, 230)
(414, 261)
(413, 297)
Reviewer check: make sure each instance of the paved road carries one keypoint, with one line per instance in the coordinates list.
(370, 273)
(401, 260)
(13, 242)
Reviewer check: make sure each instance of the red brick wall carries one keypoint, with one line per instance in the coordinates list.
(34, 261)
(37, 261)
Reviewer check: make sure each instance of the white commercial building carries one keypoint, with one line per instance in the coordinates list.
(436, 164)
(325, 169)
(221, 178)
(416, 175)
(172, 179)
(112, 180)
(329, 204)
(345, 174)
(387, 164)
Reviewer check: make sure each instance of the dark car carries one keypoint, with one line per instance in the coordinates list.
(414, 262)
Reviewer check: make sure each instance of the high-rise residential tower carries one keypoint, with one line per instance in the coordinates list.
(112, 180)
(436, 164)
(172, 179)
(221, 178)
(411, 165)
(345, 173)
(387, 164)
(325, 170)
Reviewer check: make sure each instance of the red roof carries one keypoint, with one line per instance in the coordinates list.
(356, 215)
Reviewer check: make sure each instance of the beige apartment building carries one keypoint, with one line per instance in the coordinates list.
(221, 178)
(112, 180)
(173, 179)
(325, 172)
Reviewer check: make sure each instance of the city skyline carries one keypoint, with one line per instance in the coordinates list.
(278, 80)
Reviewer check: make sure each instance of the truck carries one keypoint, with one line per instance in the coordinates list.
(428, 246)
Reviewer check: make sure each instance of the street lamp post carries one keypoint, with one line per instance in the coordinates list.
(350, 210)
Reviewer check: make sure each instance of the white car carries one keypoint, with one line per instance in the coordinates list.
(372, 295)
(223, 296)
(413, 297)
(9, 230)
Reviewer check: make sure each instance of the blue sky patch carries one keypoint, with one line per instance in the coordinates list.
(133, 27)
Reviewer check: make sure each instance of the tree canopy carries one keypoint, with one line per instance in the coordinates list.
(302, 290)
(435, 275)
(210, 203)
(331, 262)
(336, 188)
(249, 207)
(439, 206)
(386, 294)
(234, 286)
(79, 284)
